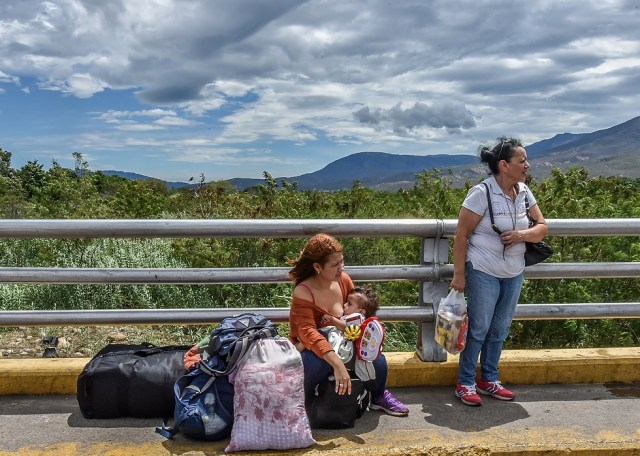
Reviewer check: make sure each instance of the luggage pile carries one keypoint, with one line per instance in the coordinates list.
(243, 381)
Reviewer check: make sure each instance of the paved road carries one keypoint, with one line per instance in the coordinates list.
(545, 419)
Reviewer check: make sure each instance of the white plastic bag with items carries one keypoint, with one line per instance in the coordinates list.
(452, 322)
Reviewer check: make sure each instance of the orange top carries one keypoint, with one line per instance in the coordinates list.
(305, 319)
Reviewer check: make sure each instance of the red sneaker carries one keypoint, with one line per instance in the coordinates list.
(496, 390)
(468, 395)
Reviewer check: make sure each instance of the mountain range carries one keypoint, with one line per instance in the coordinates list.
(613, 151)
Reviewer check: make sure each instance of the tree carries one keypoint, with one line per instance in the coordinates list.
(140, 199)
(81, 167)
(33, 177)
(13, 203)
(5, 163)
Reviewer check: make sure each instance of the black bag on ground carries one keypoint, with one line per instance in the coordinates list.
(329, 410)
(130, 380)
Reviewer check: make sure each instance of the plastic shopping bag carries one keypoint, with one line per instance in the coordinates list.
(452, 322)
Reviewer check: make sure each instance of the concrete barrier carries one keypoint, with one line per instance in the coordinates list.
(43, 376)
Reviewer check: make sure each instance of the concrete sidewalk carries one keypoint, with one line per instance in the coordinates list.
(568, 401)
(586, 419)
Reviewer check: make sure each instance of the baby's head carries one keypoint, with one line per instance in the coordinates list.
(362, 300)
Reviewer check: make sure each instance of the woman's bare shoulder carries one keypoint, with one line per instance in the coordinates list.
(303, 291)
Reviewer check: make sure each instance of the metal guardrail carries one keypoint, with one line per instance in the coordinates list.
(433, 273)
(284, 228)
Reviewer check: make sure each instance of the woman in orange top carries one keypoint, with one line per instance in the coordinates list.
(321, 288)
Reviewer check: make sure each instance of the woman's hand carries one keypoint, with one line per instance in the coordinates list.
(343, 380)
(458, 282)
(340, 372)
(512, 237)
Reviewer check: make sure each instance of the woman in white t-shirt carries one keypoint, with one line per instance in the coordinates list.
(489, 266)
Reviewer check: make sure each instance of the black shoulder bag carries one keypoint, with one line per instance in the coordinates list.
(536, 251)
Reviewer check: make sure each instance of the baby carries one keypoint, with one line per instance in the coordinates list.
(361, 304)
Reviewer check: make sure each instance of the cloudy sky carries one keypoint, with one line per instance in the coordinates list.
(178, 88)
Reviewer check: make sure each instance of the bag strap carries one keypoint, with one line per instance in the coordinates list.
(239, 349)
(166, 431)
(532, 221)
(153, 350)
(494, 227)
(489, 205)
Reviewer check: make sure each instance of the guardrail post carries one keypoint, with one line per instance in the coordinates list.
(434, 252)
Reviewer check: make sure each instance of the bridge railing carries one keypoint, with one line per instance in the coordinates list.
(433, 273)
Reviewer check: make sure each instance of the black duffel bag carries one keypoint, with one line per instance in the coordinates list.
(130, 380)
(330, 410)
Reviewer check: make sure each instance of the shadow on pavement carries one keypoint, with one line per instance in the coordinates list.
(459, 417)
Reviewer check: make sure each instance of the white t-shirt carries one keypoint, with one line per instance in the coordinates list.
(485, 249)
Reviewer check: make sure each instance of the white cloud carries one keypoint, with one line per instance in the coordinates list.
(79, 85)
(109, 115)
(138, 127)
(8, 79)
(173, 121)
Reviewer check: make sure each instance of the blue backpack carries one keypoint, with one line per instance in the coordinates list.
(230, 340)
(204, 396)
(204, 407)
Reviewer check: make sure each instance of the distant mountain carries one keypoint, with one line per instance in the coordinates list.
(134, 176)
(613, 151)
(547, 144)
(371, 168)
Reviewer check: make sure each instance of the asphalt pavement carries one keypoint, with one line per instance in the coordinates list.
(602, 419)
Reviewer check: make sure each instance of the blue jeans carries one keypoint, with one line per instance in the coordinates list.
(317, 369)
(491, 303)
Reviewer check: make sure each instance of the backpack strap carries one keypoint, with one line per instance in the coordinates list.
(166, 431)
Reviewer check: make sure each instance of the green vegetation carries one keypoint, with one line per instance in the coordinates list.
(32, 192)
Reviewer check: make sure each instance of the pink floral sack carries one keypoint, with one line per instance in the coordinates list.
(268, 404)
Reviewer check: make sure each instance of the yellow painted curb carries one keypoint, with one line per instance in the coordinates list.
(40, 375)
(601, 365)
(526, 367)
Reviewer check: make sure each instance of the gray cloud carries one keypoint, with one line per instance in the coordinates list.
(439, 115)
